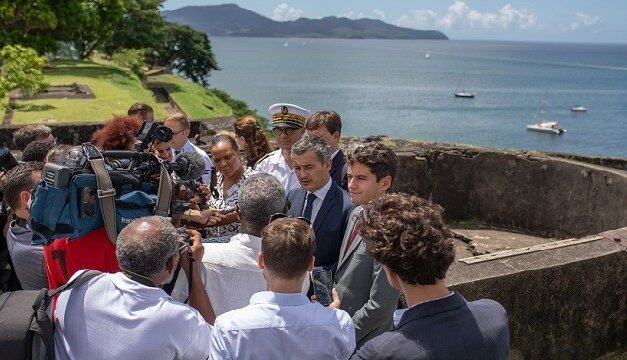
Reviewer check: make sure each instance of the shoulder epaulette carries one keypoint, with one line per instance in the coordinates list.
(264, 157)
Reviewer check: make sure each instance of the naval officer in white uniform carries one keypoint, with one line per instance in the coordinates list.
(288, 123)
(179, 124)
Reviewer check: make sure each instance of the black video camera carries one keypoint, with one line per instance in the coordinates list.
(7, 160)
(151, 131)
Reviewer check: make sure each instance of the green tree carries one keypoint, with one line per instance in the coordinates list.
(140, 28)
(88, 24)
(187, 51)
(22, 68)
(29, 23)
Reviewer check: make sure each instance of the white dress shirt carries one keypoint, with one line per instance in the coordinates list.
(283, 326)
(114, 317)
(317, 204)
(189, 147)
(233, 274)
(275, 165)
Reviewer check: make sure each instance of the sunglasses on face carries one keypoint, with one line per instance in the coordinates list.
(281, 215)
(286, 131)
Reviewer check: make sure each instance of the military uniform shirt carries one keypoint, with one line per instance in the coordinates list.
(274, 164)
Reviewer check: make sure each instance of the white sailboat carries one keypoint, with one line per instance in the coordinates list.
(463, 93)
(543, 124)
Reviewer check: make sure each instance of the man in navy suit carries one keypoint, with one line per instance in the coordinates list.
(408, 236)
(328, 125)
(319, 199)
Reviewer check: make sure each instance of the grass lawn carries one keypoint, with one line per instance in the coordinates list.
(194, 99)
(116, 89)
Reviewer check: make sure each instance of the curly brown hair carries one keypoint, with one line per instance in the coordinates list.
(256, 142)
(117, 133)
(380, 159)
(407, 234)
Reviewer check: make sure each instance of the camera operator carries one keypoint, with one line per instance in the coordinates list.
(129, 311)
(142, 109)
(179, 124)
(19, 183)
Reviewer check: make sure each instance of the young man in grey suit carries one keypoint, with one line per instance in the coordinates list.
(408, 236)
(319, 199)
(360, 281)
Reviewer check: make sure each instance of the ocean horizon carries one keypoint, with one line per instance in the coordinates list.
(389, 87)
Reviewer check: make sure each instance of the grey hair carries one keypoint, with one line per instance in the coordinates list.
(260, 196)
(315, 143)
(145, 245)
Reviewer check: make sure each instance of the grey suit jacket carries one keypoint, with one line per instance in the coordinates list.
(447, 328)
(363, 288)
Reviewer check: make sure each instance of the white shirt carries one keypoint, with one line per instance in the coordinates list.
(114, 317)
(282, 326)
(317, 204)
(275, 165)
(233, 273)
(189, 147)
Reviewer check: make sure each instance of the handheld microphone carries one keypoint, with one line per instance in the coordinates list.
(188, 166)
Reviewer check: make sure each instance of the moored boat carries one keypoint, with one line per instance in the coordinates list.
(464, 94)
(578, 108)
(551, 127)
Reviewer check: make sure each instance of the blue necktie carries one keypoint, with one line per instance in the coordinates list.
(309, 207)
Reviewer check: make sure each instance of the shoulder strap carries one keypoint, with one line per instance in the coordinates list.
(41, 323)
(264, 157)
(106, 192)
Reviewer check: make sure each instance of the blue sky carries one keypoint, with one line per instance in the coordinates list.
(534, 20)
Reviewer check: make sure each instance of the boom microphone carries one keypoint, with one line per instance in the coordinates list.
(188, 166)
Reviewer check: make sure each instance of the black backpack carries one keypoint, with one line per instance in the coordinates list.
(26, 328)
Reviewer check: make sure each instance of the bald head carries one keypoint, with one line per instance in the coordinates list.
(145, 245)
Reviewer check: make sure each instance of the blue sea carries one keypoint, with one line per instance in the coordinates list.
(389, 87)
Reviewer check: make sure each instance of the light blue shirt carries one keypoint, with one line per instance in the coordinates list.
(282, 326)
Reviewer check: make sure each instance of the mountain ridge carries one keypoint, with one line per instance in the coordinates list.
(232, 20)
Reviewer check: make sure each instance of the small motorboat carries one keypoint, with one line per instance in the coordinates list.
(427, 55)
(464, 94)
(551, 127)
(579, 108)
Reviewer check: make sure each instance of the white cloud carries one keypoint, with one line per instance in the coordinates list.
(352, 15)
(584, 21)
(461, 16)
(379, 14)
(283, 12)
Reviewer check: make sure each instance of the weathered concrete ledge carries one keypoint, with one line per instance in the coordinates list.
(80, 133)
(548, 196)
(565, 303)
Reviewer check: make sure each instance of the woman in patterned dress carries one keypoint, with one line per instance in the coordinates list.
(231, 174)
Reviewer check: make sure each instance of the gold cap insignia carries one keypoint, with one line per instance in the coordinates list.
(284, 110)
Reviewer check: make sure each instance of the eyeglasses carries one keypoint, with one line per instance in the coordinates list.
(286, 131)
(281, 215)
(178, 132)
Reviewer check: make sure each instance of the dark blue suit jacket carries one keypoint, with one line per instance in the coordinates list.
(449, 328)
(337, 172)
(329, 223)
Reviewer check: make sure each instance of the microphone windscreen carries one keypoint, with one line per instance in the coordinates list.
(195, 166)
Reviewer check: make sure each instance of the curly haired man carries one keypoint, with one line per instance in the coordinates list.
(408, 236)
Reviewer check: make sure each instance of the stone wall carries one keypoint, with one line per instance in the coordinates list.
(566, 303)
(547, 196)
(80, 133)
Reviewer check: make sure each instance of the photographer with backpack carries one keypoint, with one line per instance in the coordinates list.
(128, 309)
